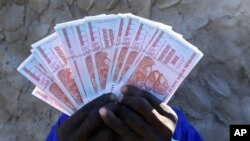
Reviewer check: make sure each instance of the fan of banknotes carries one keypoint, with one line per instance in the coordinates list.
(89, 57)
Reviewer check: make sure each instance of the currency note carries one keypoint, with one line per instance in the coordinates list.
(77, 50)
(33, 71)
(142, 38)
(50, 51)
(114, 53)
(129, 31)
(49, 100)
(102, 34)
(162, 65)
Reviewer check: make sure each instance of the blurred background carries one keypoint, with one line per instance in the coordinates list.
(215, 94)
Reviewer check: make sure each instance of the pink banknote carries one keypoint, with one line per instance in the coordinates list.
(76, 47)
(162, 65)
(129, 31)
(49, 100)
(33, 71)
(49, 52)
(102, 33)
(142, 38)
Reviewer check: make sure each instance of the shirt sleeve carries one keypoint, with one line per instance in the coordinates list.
(52, 136)
(183, 132)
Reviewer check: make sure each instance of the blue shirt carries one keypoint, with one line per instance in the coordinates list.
(183, 131)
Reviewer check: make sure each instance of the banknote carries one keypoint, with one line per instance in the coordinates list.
(102, 33)
(33, 70)
(49, 51)
(85, 59)
(142, 38)
(118, 39)
(129, 31)
(77, 50)
(162, 65)
(49, 100)
(75, 34)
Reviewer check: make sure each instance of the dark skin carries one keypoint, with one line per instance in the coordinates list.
(86, 123)
(138, 116)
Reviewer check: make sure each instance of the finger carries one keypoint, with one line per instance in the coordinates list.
(156, 103)
(172, 116)
(91, 123)
(113, 122)
(105, 134)
(138, 124)
(97, 103)
(148, 112)
(134, 91)
(75, 120)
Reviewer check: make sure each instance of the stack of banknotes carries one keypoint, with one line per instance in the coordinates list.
(89, 57)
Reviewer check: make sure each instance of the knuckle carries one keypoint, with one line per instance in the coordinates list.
(109, 120)
(129, 121)
(104, 97)
(126, 133)
(87, 123)
(139, 92)
(93, 114)
(132, 119)
(140, 103)
(126, 115)
(111, 106)
(106, 134)
(143, 92)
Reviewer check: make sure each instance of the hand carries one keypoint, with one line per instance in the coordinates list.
(118, 126)
(141, 116)
(86, 123)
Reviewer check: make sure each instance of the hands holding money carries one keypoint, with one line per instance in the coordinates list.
(137, 116)
(98, 54)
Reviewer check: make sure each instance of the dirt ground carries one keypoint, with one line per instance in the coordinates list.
(215, 94)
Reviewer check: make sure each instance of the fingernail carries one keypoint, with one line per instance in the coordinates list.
(124, 89)
(103, 111)
(120, 98)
